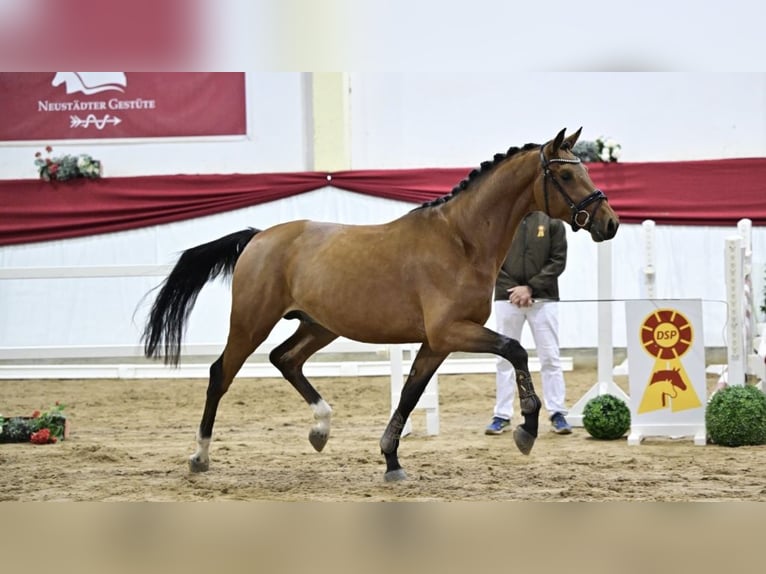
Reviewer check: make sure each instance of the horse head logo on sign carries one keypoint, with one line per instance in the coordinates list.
(90, 83)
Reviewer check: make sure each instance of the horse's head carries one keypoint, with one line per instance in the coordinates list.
(565, 190)
(671, 376)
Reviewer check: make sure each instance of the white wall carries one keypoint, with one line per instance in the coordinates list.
(461, 119)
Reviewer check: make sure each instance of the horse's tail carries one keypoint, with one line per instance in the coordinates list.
(197, 266)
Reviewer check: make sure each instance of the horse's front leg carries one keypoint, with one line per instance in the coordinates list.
(423, 367)
(474, 338)
(525, 434)
(389, 446)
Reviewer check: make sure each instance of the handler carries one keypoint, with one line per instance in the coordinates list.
(527, 289)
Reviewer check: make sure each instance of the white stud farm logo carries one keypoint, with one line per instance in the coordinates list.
(90, 84)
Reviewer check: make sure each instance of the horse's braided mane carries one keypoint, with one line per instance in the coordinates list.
(484, 168)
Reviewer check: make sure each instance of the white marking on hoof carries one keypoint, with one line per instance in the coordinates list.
(320, 432)
(200, 460)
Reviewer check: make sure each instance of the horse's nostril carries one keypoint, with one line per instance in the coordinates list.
(611, 228)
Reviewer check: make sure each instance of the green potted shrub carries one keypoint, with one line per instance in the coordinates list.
(736, 416)
(606, 417)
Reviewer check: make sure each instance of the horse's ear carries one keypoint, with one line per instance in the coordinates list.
(570, 141)
(557, 141)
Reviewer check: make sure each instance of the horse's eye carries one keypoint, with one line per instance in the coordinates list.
(566, 175)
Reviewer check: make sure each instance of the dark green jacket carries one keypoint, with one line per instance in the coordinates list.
(538, 255)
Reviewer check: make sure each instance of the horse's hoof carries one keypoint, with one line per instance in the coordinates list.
(318, 439)
(395, 475)
(196, 465)
(524, 440)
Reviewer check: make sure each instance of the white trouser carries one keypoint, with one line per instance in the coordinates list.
(543, 321)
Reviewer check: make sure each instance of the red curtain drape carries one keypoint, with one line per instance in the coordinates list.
(714, 192)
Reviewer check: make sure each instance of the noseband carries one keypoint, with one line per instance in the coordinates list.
(581, 217)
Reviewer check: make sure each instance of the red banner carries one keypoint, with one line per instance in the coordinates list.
(50, 106)
(714, 193)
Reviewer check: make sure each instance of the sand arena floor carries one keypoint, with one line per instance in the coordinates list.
(130, 440)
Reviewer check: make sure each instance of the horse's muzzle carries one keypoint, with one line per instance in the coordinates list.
(604, 229)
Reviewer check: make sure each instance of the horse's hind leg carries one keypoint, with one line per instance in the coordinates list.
(423, 367)
(222, 372)
(289, 358)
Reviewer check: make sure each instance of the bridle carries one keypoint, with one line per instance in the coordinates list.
(581, 217)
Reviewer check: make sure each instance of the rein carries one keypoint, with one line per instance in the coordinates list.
(581, 217)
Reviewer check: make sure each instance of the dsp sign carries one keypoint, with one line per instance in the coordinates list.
(666, 358)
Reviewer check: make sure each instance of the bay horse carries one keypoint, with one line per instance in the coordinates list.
(426, 277)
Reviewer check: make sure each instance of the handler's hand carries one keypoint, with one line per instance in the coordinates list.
(521, 295)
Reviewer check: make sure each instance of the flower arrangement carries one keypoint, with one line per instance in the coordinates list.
(61, 168)
(602, 149)
(41, 428)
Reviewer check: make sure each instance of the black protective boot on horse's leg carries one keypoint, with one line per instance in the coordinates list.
(389, 445)
(525, 434)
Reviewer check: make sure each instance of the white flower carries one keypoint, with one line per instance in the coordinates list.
(82, 161)
(601, 149)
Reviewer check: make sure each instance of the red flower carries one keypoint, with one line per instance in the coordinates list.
(35, 414)
(48, 148)
(38, 154)
(43, 436)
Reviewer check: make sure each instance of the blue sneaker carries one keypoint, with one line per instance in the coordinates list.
(560, 424)
(497, 426)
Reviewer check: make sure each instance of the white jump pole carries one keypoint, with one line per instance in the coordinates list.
(754, 333)
(429, 401)
(649, 274)
(736, 355)
(745, 230)
(605, 345)
(648, 278)
(605, 384)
